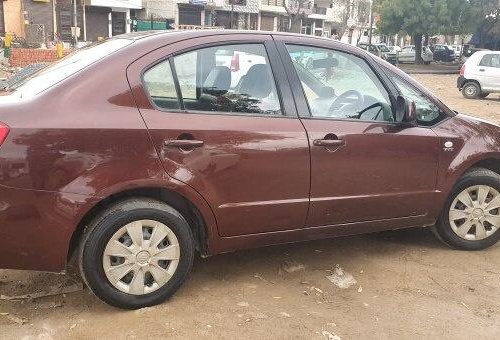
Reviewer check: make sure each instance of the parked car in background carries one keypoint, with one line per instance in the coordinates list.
(135, 154)
(394, 49)
(407, 54)
(443, 53)
(469, 50)
(458, 51)
(480, 75)
(381, 51)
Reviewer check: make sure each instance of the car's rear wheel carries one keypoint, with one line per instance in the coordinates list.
(471, 90)
(470, 219)
(136, 253)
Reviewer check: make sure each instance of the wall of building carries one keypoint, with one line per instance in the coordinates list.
(159, 9)
(40, 13)
(13, 18)
(97, 22)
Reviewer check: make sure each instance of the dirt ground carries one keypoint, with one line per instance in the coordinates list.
(408, 286)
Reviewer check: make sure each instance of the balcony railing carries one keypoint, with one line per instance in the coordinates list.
(272, 2)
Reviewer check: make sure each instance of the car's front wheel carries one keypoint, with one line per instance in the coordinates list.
(471, 90)
(470, 219)
(136, 253)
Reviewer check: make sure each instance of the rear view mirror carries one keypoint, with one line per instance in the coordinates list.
(406, 111)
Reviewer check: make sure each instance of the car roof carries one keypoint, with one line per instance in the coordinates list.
(160, 37)
(482, 52)
(206, 32)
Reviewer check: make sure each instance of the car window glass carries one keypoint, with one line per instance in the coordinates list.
(229, 78)
(338, 85)
(428, 113)
(69, 65)
(159, 83)
(490, 60)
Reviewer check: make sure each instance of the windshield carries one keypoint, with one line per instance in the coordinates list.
(383, 48)
(67, 66)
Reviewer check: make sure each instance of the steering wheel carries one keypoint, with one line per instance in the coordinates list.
(348, 101)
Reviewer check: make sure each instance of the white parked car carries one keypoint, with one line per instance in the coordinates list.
(395, 48)
(457, 49)
(480, 75)
(407, 54)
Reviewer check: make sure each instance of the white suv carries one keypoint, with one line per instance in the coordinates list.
(480, 75)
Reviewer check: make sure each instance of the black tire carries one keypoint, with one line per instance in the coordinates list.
(471, 90)
(103, 227)
(483, 95)
(443, 229)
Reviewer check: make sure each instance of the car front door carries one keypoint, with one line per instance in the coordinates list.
(223, 122)
(364, 166)
(405, 54)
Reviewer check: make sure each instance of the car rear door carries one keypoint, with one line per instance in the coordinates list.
(221, 116)
(367, 168)
(488, 72)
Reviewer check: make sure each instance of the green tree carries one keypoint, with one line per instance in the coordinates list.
(297, 10)
(485, 18)
(423, 17)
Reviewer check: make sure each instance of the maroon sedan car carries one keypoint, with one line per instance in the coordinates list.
(135, 153)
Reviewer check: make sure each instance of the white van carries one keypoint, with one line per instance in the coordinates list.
(480, 75)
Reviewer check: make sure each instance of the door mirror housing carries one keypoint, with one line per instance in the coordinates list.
(406, 111)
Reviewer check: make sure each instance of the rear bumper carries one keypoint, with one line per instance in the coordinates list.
(460, 82)
(36, 228)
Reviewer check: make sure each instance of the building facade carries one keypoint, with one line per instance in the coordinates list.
(49, 20)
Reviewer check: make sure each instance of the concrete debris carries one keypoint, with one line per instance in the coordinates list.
(54, 290)
(285, 315)
(257, 315)
(330, 336)
(291, 267)
(14, 318)
(258, 276)
(341, 278)
(243, 304)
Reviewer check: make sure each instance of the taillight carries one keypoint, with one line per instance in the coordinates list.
(462, 70)
(4, 131)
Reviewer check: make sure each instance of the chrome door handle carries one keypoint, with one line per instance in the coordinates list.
(329, 142)
(183, 143)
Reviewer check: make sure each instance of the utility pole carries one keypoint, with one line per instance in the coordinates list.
(75, 24)
(371, 23)
(231, 15)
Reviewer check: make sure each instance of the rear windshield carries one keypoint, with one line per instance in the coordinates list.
(67, 66)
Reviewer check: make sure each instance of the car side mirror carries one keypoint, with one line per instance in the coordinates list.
(406, 111)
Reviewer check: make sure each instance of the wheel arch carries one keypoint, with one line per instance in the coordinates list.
(177, 201)
(466, 81)
(491, 163)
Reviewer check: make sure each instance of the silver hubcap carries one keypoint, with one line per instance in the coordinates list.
(470, 90)
(141, 257)
(475, 213)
